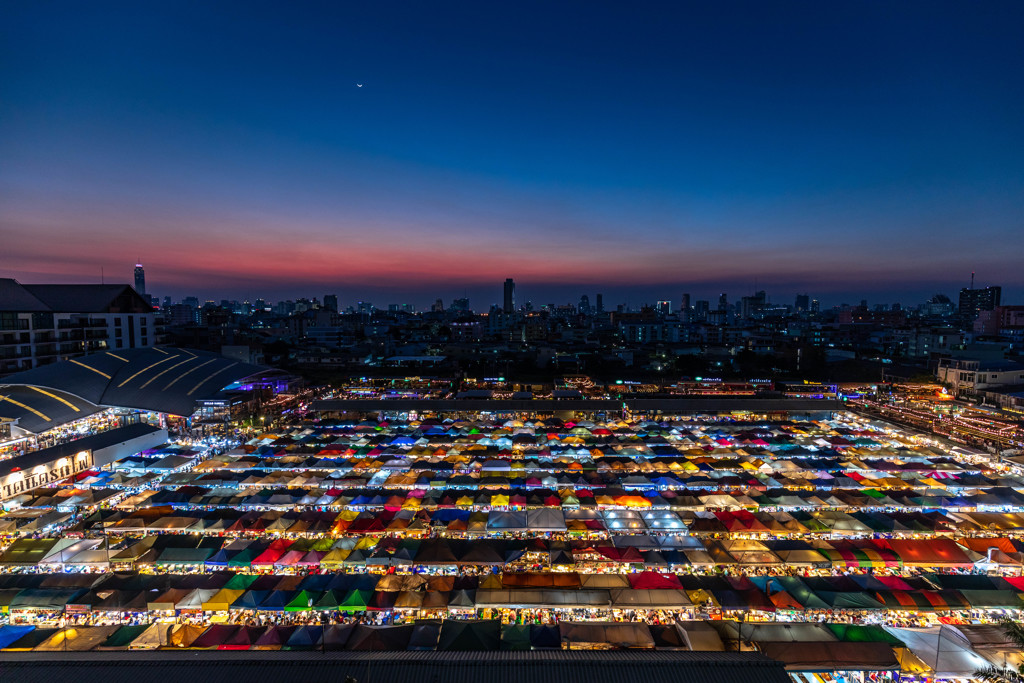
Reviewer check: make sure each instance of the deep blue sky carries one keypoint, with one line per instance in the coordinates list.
(851, 150)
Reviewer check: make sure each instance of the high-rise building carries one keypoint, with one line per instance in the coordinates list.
(140, 279)
(974, 301)
(600, 303)
(685, 312)
(331, 302)
(751, 306)
(180, 315)
(584, 306)
(510, 296)
(665, 307)
(723, 302)
(803, 303)
(700, 309)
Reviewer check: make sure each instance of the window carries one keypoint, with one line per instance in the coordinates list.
(117, 322)
(42, 321)
(11, 321)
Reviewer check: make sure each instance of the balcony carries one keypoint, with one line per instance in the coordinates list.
(81, 324)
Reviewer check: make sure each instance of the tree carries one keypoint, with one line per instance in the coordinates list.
(993, 674)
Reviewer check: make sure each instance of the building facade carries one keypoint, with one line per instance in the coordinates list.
(968, 377)
(509, 303)
(26, 472)
(974, 301)
(43, 324)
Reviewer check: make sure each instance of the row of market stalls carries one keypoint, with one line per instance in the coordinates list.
(125, 595)
(944, 652)
(314, 521)
(608, 492)
(830, 539)
(260, 552)
(832, 454)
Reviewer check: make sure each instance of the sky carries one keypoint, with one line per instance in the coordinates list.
(850, 150)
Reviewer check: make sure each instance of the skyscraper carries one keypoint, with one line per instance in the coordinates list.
(600, 303)
(803, 303)
(331, 302)
(510, 296)
(751, 306)
(973, 301)
(140, 279)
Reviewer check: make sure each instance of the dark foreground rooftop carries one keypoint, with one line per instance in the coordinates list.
(393, 667)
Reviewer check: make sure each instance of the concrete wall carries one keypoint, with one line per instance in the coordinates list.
(62, 466)
(59, 468)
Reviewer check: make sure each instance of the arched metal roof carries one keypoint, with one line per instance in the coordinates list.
(38, 409)
(164, 380)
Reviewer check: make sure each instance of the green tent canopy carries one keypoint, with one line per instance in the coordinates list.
(302, 601)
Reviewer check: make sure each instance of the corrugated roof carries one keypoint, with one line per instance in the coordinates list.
(38, 410)
(165, 380)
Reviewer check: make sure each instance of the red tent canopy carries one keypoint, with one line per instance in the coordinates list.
(653, 580)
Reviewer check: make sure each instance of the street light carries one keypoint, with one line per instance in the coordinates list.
(739, 630)
(323, 636)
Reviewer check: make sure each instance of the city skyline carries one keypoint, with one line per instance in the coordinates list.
(870, 154)
(488, 295)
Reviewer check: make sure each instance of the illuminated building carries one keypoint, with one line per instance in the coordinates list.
(974, 301)
(140, 279)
